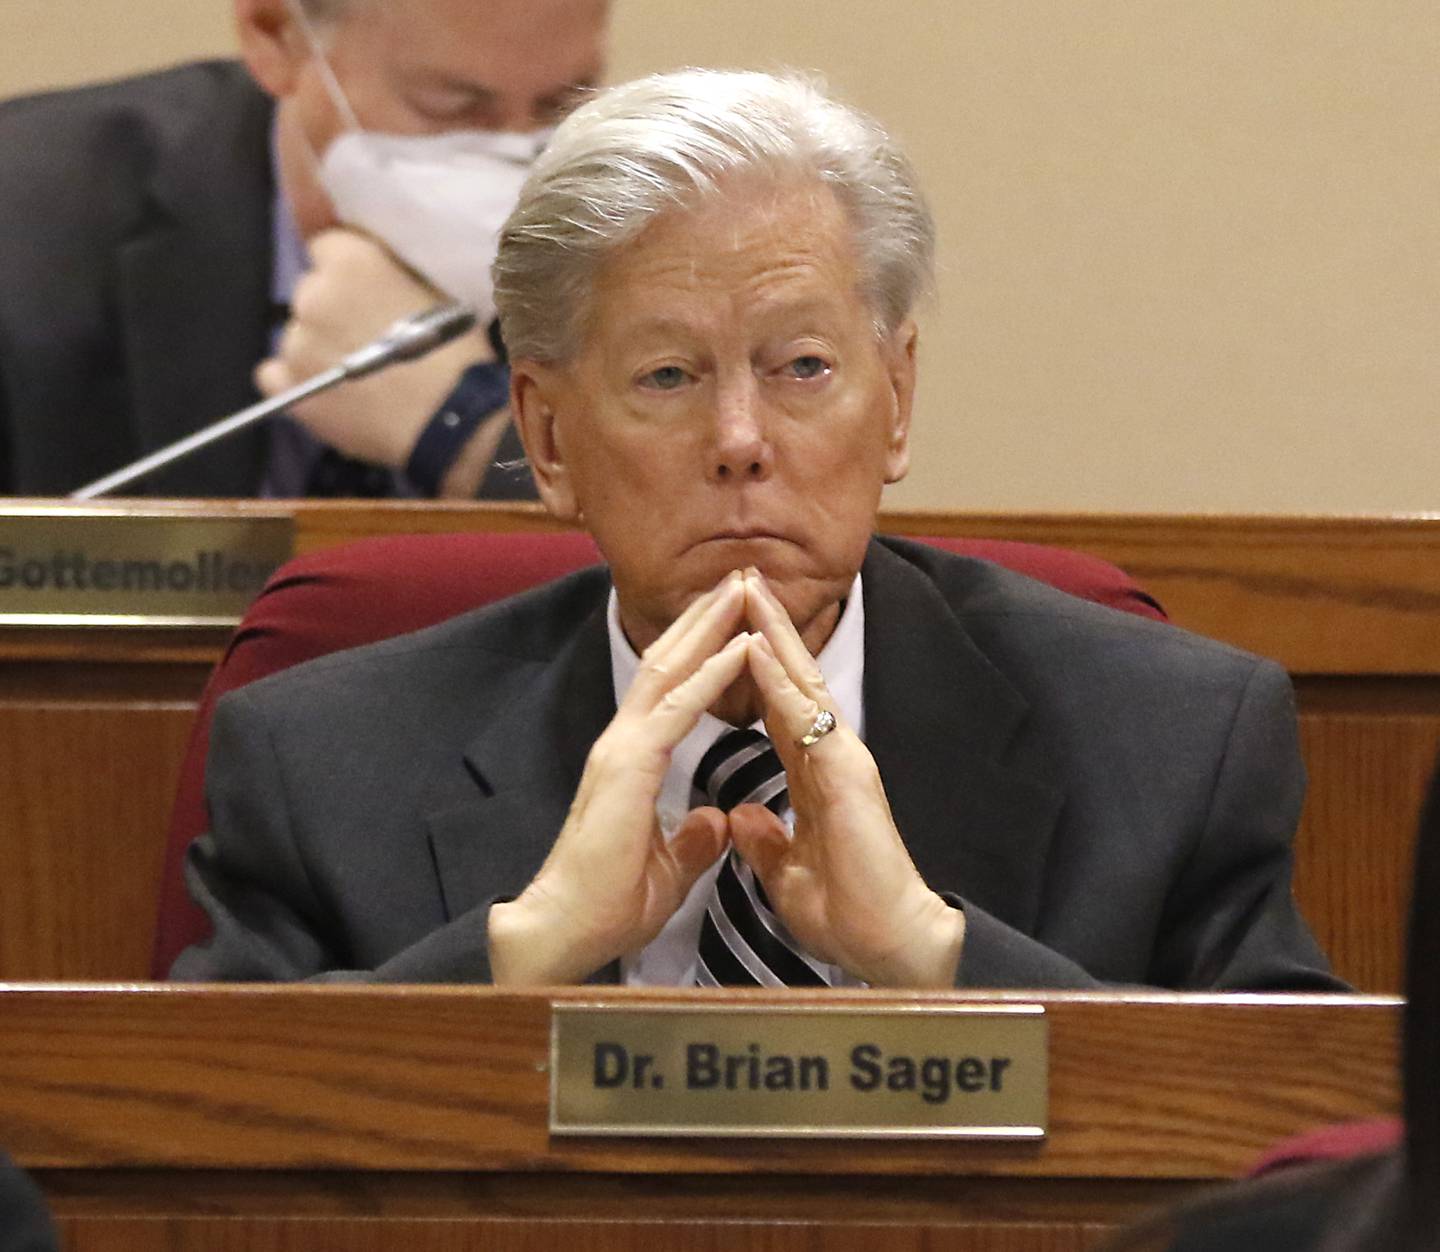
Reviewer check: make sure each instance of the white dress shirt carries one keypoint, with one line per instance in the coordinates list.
(669, 961)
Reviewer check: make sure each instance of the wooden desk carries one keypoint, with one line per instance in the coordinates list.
(93, 723)
(259, 1119)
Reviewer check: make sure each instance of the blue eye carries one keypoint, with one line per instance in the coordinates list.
(808, 366)
(666, 378)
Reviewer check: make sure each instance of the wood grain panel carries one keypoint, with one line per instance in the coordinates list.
(486, 1235)
(1355, 845)
(455, 1079)
(1319, 595)
(82, 647)
(108, 682)
(84, 793)
(358, 1118)
(674, 1198)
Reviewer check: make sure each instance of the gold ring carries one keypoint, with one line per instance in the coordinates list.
(823, 724)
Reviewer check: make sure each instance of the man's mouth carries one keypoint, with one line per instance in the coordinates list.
(742, 535)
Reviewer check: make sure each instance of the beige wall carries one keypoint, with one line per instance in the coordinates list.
(52, 43)
(1190, 252)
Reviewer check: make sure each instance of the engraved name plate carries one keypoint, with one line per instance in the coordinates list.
(135, 569)
(957, 1071)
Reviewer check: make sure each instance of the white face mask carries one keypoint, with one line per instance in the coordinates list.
(437, 201)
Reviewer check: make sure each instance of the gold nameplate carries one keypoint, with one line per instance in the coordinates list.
(961, 1071)
(100, 569)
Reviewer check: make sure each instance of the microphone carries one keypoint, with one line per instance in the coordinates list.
(407, 339)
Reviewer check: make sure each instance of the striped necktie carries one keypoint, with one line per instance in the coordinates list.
(742, 942)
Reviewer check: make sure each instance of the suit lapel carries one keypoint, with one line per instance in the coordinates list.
(526, 763)
(194, 296)
(940, 720)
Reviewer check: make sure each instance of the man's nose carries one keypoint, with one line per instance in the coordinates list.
(742, 450)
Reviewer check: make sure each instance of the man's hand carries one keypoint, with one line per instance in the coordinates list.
(612, 881)
(353, 292)
(845, 884)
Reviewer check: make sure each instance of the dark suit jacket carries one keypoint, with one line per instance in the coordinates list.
(1112, 799)
(135, 244)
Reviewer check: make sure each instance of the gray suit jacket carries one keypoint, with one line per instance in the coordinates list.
(1110, 799)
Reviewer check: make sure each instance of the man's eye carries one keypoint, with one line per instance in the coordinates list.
(666, 378)
(808, 366)
(447, 111)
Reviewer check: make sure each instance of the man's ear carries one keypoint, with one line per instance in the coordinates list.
(272, 43)
(900, 365)
(536, 391)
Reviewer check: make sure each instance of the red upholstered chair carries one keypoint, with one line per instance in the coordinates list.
(374, 588)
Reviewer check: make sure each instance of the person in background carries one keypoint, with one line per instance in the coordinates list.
(1376, 1202)
(763, 746)
(164, 235)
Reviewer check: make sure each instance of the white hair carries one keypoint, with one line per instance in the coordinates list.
(670, 141)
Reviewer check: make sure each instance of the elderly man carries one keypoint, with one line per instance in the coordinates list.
(166, 234)
(707, 288)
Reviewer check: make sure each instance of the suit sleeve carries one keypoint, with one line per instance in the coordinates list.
(248, 874)
(1230, 921)
(998, 955)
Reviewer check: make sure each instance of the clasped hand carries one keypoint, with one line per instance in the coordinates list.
(844, 884)
(353, 291)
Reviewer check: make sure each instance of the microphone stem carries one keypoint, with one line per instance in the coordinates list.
(209, 434)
